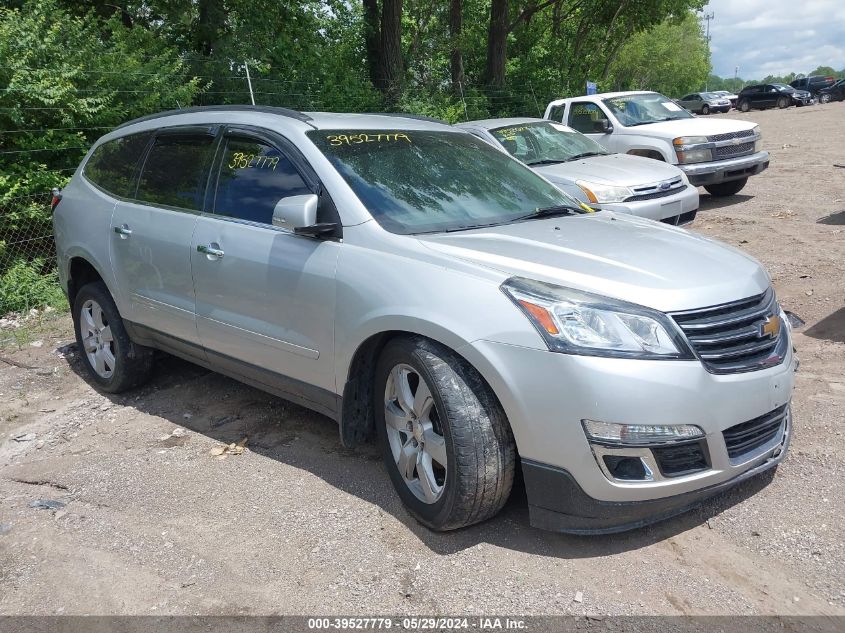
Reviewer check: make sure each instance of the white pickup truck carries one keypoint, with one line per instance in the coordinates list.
(717, 154)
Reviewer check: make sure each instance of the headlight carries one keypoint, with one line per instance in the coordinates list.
(694, 156)
(577, 322)
(689, 140)
(759, 142)
(599, 193)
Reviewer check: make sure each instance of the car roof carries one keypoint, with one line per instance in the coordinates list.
(491, 124)
(315, 120)
(603, 95)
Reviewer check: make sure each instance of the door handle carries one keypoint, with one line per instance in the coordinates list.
(212, 250)
(123, 231)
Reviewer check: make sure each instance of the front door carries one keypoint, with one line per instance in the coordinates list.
(265, 297)
(585, 117)
(151, 234)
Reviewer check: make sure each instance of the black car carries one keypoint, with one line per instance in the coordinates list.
(813, 84)
(835, 93)
(764, 96)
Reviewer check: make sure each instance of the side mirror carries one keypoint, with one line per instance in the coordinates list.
(295, 212)
(604, 126)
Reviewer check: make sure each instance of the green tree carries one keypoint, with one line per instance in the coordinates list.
(672, 58)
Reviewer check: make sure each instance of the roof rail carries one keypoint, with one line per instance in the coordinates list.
(405, 115)
(294, 114)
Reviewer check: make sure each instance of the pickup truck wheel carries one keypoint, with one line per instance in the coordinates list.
(705, 109)
(112, 360)
(445, 440)
(744, 106)
(726, 188)
(824, 98)
(783, 102)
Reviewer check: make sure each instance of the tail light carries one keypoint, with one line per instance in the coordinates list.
(57, 198)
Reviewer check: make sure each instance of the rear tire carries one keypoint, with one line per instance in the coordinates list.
(744, 105)
(114, 363)
(730, 188)
(431, 406)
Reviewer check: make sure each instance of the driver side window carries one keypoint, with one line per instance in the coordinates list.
(253, 177)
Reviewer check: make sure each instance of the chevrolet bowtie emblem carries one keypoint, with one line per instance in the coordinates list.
(771, 327)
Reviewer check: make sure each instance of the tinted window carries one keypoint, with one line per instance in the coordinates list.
(176, 171)
(254, 176)
(584, 117)
(425, 181)
(112, 165)
(556, 113)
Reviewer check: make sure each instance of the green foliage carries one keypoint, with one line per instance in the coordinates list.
(29, 284)
(672, 58)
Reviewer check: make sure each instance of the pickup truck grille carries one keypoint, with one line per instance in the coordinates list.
(729, 338)
(743, 438)
(729, 151)
(715, 138)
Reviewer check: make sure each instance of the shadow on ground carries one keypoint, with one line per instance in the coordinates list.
(835, 219)
(706, 202)
(228, 411)
(830, 328)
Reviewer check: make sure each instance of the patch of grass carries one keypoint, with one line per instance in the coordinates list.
(29, 284)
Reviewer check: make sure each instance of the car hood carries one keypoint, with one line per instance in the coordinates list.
(696, 126)
(615, 255)
(613, 169)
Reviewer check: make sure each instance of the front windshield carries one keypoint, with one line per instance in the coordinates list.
(640, 109)
(710, 95)
(783, 88)
(545, 142)
(430, 181)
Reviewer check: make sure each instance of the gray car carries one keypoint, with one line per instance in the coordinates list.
(705, 102)
(588, 172)
(423, 288)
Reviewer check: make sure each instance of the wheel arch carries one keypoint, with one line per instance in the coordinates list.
(81, 271)
(647, 152)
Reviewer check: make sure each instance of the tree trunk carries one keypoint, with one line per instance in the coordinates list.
(372, 41)
(456, 59)
(210, 24)
(392, 66)
(497, 45)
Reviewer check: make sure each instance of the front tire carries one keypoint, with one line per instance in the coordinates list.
(783, 103)
(824, 98)
(705, 109)
(445, 440)
(729, 188)
(114, 363)
(744, 105)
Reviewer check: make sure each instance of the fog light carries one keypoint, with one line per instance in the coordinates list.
(626, 468)
(639, 434)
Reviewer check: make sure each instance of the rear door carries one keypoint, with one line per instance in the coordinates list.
(265, 297)
(151, 233)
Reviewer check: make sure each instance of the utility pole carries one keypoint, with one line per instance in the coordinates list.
(736, 74)
(707, 18)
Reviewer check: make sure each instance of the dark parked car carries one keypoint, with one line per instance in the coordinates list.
(835, 93)
(813, 84)
(764, 96)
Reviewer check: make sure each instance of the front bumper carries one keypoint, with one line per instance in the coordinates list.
(679, 204)
(714, 172)
(546, 395)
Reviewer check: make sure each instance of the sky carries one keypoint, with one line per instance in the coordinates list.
(776, 37)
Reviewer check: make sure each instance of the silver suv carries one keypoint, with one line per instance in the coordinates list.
(418, 285)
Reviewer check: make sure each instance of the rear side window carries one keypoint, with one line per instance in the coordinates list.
(556, 113)
(175, 172)
(254, 176)
(112, 165)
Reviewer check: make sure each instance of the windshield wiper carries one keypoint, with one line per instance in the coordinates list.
(584, 155)
(548, 212)
(547, 161)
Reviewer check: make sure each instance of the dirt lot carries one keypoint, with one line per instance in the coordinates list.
(153, 524)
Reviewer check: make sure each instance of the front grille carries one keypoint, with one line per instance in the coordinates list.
(715, 138)
(729, 151)
(728, 338)
(681, 459)
(747, 436)
(656, 194)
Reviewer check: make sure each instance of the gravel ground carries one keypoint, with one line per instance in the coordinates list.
(151, 523)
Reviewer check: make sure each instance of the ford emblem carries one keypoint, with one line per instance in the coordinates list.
(664, 186)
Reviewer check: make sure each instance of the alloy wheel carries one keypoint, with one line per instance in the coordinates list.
(97, 339)
(415, 433)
